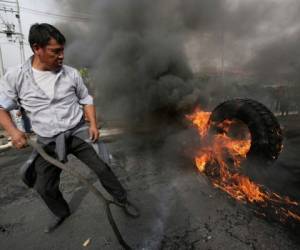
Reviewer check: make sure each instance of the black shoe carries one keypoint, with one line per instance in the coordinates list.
(55, 224)
(120, 203)
(128, 208)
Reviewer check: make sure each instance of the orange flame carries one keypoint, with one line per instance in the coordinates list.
(200, 119)
(218, 151)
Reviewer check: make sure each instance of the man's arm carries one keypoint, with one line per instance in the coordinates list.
(88, 107)
(8, 97)
(18, 138)
(90, 114)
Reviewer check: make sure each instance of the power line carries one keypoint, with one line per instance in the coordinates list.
(84, 19)
(3, 1)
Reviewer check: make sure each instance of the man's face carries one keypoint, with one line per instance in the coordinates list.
(51, 56)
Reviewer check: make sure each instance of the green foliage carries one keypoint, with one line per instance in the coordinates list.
(84, 72)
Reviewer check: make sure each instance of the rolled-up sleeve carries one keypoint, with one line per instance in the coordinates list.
(8, 93)
(82, 91)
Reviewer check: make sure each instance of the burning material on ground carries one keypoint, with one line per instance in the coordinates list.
(224, 149)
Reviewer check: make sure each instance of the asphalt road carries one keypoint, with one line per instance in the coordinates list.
(180, 209)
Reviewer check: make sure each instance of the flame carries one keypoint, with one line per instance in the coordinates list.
(202, 160)
(220, 157)
(200, 119)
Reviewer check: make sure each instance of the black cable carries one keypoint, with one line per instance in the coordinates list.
(95, 191)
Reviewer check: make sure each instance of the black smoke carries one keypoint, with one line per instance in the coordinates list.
(144, 56)
(136, 54)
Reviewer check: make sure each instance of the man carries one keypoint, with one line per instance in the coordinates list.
(55, 98)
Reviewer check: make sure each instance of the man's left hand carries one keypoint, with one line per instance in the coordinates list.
(94, 133)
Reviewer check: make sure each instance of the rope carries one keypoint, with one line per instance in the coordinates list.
(95, 191)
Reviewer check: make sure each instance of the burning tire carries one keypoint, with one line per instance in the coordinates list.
(265, 131)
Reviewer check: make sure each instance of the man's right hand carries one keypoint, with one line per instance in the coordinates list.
(18, 139)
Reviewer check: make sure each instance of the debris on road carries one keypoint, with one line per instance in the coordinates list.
(87, 242)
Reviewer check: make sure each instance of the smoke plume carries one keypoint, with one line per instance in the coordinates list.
(145, 57)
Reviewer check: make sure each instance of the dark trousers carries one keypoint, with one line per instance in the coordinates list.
(48, 176)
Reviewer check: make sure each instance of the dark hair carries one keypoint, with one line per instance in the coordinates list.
(41, 34)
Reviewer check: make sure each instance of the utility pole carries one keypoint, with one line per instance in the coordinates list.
(1, 64)
(21, 37)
